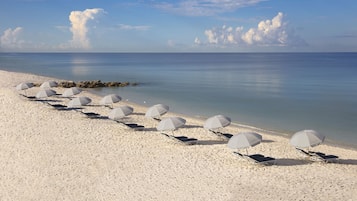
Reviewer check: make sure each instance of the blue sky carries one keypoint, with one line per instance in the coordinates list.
(178, 26)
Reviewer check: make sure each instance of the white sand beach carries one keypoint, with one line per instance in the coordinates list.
(47, 154)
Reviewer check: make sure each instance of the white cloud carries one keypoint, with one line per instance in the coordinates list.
(205, 7)
(79, 27)
(267, 33)
(130, 27)
(10, 38)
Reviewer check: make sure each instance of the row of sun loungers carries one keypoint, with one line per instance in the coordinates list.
(184, 140)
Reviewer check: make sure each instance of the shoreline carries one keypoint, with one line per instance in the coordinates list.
(62, 155)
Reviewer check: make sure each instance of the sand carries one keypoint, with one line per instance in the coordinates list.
(47, 154)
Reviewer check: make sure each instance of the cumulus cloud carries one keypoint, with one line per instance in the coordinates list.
(79, 27)
(272, 32)
(204, 7)
(130, 27)
(10, 38)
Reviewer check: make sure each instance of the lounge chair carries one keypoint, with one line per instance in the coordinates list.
(225, 136)
(28, 97)
(93, 115)
(317, 156)
(182, 139)
(323, 157)
(257, 158)
(132, 125)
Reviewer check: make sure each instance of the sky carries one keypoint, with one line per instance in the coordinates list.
(178, 26)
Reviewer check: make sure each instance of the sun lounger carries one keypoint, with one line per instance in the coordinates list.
(323, 157)
(317, 156)
(132, 125)
(29, 97)
(225, 136)
(257, 158)
(182, 139)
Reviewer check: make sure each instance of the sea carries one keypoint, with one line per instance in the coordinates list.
(282, 93)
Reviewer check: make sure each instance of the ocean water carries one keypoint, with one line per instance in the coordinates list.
(284, 92)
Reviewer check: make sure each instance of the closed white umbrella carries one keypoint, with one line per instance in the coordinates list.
(306, 139)
(110, 99)
(171, 123)
(244, 140)
(120, 112)
(71, 92)
(216, 122)
(44, 93)
(156, 111)
(79, 101)
(49, 84)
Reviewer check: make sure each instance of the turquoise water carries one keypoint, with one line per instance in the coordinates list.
(276, 91)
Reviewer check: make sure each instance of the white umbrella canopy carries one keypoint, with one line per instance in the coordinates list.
(24, 86)
(49, 84)
(171, 123)
(156, 111)
(79, 101)
(44, 93)
(216, 122)
(306, 139)
(71, 92)
(110, 99)
(244, 140)
(120, 112)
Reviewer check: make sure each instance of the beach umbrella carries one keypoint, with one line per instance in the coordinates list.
(24, 86)
(216, 122)
(79, 101)
(171, 123)
(120, 112)
(44, 93)
(157, 110)
(244, 140)
(49, 84)
(306, 139)
(110, 99)
(71, 92)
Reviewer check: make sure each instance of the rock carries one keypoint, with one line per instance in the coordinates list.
(92, 84)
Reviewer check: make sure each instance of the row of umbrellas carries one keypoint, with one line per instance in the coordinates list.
(301, 139)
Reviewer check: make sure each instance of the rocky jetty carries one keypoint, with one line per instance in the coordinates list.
(92, 84)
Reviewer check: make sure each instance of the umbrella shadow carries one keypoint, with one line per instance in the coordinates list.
(149, 129)
(268, 141)
(291, 162)
(138, 113)
(192, 126)
(210, 142)
(347, 161)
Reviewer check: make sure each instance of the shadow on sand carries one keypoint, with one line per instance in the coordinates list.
(267, 141)
(291, 162)
(347, 161)
(210, 142)
(192, 126)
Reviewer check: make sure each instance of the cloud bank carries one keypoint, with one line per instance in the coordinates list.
(10, 38)
(79, 27)
(272, 32)
(204, 7)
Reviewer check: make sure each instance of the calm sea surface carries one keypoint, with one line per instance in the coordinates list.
(284, 92)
